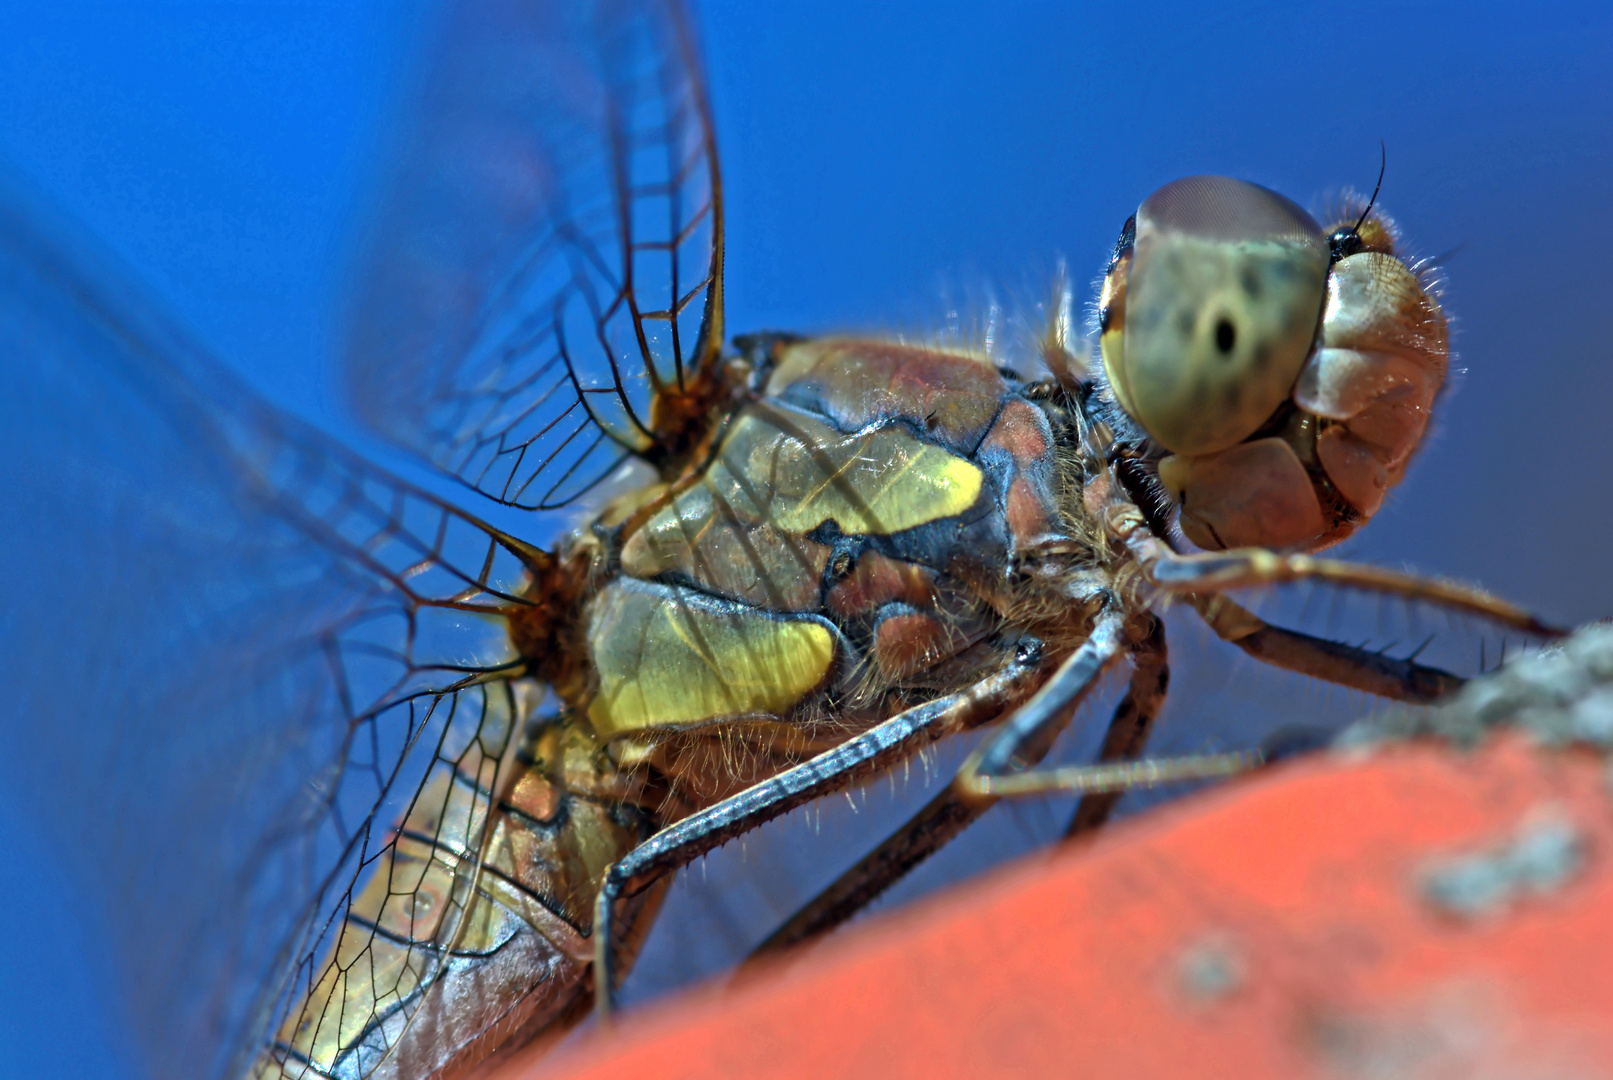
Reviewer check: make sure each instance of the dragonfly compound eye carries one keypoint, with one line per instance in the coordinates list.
(1209, 315)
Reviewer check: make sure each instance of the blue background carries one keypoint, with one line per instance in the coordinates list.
(876, 162)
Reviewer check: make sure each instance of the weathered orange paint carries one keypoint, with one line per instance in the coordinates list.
(1274, 928)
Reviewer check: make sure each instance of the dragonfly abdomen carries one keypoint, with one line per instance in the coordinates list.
(455, 947)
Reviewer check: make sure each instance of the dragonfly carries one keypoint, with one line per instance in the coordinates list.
(439, 774)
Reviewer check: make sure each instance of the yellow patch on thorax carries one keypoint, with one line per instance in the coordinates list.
(796, 472)
(667, 658)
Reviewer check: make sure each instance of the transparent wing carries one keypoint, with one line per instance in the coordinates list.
(542, 295)
(232, 651)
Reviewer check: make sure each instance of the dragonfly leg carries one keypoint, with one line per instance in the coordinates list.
(1001, 766)
(926, 832)
(949, 813)
(1332, 661)
(1244, 568)
(860, 757)
(1131, 725)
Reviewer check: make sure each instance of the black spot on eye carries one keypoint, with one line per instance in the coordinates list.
(1226, 336)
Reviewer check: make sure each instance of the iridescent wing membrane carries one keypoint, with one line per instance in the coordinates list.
(239, 656)
(544, 287)
(233, 651)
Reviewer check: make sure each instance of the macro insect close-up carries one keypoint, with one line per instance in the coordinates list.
(669, 489)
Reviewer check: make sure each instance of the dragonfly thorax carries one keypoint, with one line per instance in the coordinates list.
(856, 540)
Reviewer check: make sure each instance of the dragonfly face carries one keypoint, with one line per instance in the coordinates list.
(412, 743)
(1288, 371)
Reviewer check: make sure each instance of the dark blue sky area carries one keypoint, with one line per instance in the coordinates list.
(871, 157)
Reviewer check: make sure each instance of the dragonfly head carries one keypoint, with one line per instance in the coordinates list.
(1285, 370)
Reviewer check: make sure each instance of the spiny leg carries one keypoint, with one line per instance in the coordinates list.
(1402, 680)
(998, 770)
(851, 761)
(948, 814)
(1133, 722)
(1255, 567)
(1002, 765)
(1331, 661)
